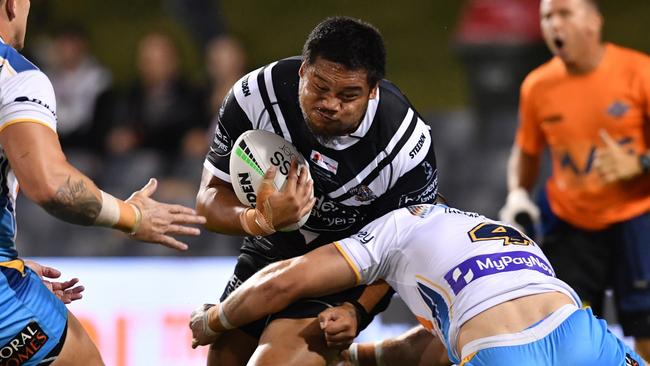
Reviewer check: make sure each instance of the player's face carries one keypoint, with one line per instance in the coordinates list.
(569, 27)
(333, 99)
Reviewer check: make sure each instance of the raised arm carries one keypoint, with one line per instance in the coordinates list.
(319, 272)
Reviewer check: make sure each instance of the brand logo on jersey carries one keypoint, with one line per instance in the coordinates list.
(37, 101)
(484, 265)
(328, 215)
(23, 346)
(418, 146)
(618, 109)
(629, 361)
(222, 142)
(364, 237)
(324, 162)
(363, 193)
(567, 161)
(425, 194)
(420, 210)
(244, 87)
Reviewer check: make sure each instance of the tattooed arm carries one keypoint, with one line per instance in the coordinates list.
(47, 178)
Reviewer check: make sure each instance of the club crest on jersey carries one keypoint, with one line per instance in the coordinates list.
(420, 210)
(324, 162)
(363, 193)
(618, 109)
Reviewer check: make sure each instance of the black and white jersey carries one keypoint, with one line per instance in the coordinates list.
(388, 162)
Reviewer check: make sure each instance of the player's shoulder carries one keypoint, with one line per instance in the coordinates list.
(544, 75)
(628, 56)
(253, 86)
(13, 61)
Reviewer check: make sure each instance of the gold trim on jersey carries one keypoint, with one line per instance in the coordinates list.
(25, 120)
(347, 258)
(441, 290)
(467, 359)
(16, 264)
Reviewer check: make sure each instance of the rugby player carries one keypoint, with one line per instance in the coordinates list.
(369, 152)
(591, 106)
(36, 328)
(482, 287)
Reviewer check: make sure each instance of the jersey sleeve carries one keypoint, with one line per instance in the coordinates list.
(27, 96)
(231, 123)
(368, 251)
(529, 137)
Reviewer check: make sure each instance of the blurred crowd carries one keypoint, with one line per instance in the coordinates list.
(159, 125)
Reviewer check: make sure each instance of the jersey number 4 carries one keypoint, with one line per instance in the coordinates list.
(490, 231)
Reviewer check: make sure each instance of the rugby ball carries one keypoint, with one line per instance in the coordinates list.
(253, 153)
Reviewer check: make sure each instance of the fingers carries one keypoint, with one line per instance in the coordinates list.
(182, 230)
(179, 209)
(187, 219)
(170, 242)
(607, 139)
(50, 272)
(149, 188)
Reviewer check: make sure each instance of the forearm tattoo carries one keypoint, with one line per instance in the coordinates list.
(74, 203)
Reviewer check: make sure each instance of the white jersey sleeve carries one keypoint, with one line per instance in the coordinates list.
(369, 251)
(27, 96)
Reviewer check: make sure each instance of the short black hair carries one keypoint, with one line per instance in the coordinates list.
(355, 44)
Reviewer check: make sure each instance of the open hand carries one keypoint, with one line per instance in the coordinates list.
(66, 291)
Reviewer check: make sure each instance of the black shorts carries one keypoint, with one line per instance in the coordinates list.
(250, 261)
(593, 261)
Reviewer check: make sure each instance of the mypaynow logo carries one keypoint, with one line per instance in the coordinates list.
(489, 264)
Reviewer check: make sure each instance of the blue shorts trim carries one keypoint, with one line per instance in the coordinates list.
(581, 339)
(32, 319)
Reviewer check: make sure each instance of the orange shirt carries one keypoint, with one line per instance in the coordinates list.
(566, 112)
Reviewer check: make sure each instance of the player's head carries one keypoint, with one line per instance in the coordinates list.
(571, 28)
(344, 60)
(14, 22)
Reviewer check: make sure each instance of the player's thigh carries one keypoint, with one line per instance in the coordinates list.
(233, 348)
(78, 349)
(293, 342)
(33, 320)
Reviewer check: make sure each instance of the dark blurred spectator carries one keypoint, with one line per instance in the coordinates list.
(78, 80)
(202, 18)
(161, 108)
(225, 60)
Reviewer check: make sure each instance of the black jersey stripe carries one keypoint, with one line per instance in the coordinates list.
(261, 84)
(387, 160)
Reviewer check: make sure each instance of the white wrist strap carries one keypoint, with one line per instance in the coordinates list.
(109, 215)
(223, 319)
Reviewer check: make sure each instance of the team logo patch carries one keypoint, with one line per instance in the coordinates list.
(420, 210)
(363, 193)
(24, 345)
(629, 361)
(618, 109)
(324, 162)
(484, 265)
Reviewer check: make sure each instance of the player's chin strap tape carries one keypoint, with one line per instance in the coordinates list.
(362, 315)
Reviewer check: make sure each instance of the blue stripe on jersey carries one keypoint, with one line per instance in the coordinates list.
(17, 61)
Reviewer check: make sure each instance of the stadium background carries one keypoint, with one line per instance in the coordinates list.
(136, 307)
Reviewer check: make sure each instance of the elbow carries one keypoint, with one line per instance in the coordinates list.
(40, 192)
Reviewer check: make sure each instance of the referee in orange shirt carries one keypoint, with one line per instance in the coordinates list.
(591, 106)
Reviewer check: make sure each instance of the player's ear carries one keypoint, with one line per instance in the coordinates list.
(10, 8)
(301, 71)
(373, 91)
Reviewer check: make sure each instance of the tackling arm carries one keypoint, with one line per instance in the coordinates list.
(319, 272)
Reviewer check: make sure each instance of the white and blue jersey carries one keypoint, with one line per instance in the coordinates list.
(448, 266)
(26, 95)
(32, 320)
